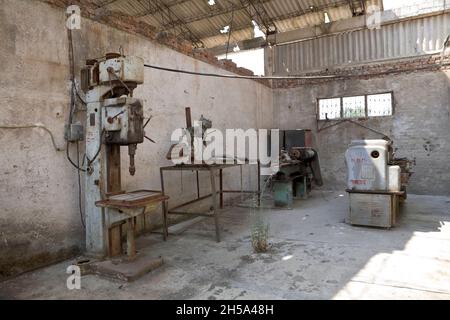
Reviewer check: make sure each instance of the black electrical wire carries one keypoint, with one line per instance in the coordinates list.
(90, 161)
(232, 76)
(205, 74)
(74, 95)
(71, 161)
(79, 96)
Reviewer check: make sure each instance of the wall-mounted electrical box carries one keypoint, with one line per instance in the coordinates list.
(74, 132)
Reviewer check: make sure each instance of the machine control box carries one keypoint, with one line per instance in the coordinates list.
(123, 121)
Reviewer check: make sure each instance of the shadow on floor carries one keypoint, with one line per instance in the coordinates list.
(314, 255)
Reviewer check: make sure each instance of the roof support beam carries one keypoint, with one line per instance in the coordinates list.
(168, 17)
(245, 4)
(152, 11)
(262, 18)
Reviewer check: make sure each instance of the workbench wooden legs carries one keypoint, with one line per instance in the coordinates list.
(115, 241)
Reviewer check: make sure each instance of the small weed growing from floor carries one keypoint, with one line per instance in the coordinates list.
(260, 235)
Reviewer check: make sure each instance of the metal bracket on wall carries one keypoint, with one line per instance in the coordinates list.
(325, 127)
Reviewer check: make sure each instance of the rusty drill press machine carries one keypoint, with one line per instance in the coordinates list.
(114, 119)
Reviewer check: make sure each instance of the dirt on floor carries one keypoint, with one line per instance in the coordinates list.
(313, 254)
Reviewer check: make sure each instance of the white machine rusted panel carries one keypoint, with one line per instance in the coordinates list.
(95, 217)
(375, 210)
(127, 69)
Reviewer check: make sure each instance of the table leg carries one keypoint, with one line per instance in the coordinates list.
(161, 172)
(131, 241)
(259, 183)
(214, 200)
(164, 218)
(221, 187)
(115, 240)
(198, 185)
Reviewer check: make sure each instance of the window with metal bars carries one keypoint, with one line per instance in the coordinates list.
(362, 106)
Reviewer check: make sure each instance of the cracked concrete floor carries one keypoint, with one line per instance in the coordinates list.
(314, 255)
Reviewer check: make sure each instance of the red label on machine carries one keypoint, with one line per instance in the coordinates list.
(358, 182)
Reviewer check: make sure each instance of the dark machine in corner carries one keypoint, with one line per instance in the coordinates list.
(298, 167)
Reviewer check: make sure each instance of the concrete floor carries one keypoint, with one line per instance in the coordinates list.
(314, 255)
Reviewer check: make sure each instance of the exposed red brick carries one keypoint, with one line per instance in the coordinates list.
(129, 24)
(418, 64)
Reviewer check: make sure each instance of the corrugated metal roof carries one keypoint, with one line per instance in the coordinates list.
(196, 18)
(407, 38)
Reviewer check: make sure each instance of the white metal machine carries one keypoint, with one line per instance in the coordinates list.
(373, 183)
(368, 169)
(114, 119)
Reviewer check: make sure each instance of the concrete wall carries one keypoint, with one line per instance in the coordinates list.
(420, 123)
(39, 220)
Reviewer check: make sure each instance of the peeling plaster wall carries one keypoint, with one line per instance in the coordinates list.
(39, 221)
(420, 126)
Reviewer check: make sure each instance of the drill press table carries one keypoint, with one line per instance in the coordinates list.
(133, 204)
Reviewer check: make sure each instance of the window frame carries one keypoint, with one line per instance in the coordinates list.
(366, 107)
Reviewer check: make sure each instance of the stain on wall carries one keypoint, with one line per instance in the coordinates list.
(40, 219)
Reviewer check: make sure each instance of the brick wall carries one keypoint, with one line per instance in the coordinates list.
(420, 125)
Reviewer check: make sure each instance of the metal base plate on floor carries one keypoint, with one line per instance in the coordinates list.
(122, 268)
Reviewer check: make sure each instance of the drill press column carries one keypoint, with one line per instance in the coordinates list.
(114, 119)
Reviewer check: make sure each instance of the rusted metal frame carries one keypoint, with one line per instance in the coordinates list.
(223, 10)
(151, 12)
(354, 122)
(259, 182)
(198, 184)
(213, 194)
(165, 208)
(230, 31)
(106, 3)
(214, 203)
(221, 187)
(185, 29)
(275, 18)
(211, 14)
(217, 12)
(352, 8)
(184, 204)
(299, 7)
(266, 20)
(198, 214)
(316, 8)
(166, 14)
